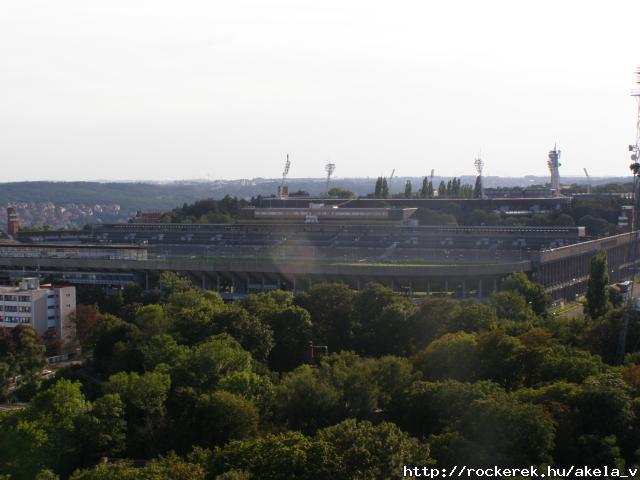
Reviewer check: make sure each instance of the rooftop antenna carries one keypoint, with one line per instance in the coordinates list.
(479, 164)
(329, 168)
(633, 247)
(588, 180)
(554, 168)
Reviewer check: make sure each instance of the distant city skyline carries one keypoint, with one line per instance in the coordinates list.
(162, 90)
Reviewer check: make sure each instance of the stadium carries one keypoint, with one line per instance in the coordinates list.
(294, 246)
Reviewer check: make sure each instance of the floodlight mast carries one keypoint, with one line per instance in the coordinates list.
(329, 168)
(285, 172)
(479, 164)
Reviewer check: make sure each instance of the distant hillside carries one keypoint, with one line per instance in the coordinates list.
(73, 204)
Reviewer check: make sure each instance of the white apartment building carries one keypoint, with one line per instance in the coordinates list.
(39, 306)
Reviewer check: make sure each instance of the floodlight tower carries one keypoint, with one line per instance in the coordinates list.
(285, 172)
(633, 247)
(283, 191)
(554, 168)
(479, 164)
(329, 168)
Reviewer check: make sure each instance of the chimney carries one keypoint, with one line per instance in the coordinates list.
(13, 222)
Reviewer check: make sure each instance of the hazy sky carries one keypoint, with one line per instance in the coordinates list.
(156, 89)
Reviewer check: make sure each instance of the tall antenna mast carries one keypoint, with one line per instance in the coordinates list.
(479, 164)
(635, 149)
(554, 168)
(329, 168)
(633, 248)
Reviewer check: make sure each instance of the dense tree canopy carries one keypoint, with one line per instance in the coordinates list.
(191, 387)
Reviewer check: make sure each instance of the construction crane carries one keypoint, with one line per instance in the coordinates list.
(329, 168)
(393, 172)
(588, 180)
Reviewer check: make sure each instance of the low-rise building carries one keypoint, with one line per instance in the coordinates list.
(42, 307)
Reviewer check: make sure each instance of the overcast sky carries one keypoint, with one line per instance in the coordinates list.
(156, 89)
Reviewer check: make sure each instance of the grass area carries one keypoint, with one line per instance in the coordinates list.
(567, 307)
(365, 263)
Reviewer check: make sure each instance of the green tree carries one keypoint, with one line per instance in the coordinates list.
(597, 299)
(533, 293)
(407, 189)
(430, 320)
(283, 456)
(341, 193)
(292, 331)
(251, 386)
(564, 220)
(451, 356)
(499, 431)
(143, 394)
(429, 408)
(385, 188)
(191, 313)
(374, 451)
(430, 190)
(306, 402)
(511, 305)
(207, 363)
(170, 468)
(377, 193)
(254, 335)
(49, 432)
(114, 347)
(171, 282)
(83, 323)
(161, 349)
(442, 190)
(477, 189)
(332, 313)
(21, 361)
(152, 320)
(424, 191)
(222, 416)
(264, 304)
(102, 432)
